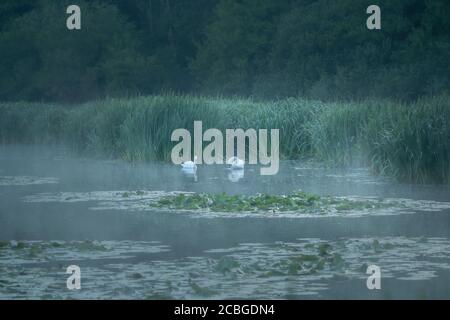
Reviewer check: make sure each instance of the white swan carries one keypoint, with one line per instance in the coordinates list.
(190, 165)
(236, 163)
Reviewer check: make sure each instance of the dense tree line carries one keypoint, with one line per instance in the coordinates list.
(264, 48)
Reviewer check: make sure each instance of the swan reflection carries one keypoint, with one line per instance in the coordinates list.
(190, 173)
(235, 175)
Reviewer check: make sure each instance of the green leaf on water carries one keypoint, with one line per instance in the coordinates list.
(226, 264)
(205, 292)
(299, 201)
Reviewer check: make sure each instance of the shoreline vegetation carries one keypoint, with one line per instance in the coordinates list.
(410, 142)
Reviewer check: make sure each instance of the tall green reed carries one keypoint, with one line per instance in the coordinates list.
(410, 142)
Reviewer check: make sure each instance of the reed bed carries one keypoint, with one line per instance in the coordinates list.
(408, 141)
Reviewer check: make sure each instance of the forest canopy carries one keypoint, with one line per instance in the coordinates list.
(268, 49)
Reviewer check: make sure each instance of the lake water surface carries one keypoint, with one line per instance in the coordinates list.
(58, 210)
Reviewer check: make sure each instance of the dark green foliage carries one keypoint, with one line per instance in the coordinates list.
(42, 60)
(322, 49)
(266, 48)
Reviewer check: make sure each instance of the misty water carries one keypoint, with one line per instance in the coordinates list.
(57, 209)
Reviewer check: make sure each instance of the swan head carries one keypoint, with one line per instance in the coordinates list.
(232, 160)
(236, 163)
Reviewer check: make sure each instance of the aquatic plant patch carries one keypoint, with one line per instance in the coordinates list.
(295, 205)
(275, 270)
(44, 251)
(298, 201)
(25, 180)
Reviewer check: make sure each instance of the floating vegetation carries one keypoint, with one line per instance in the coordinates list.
(298, 201)
(25, 180)
(112, 196)
(295, 205)
(277, 270)
(39, 251)
(127, 194)
(200, 291)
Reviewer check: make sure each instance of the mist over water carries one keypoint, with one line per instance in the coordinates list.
(339, 84)
(47, 195)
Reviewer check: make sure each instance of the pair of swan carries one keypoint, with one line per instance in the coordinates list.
(189, 169)
(234, 162)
